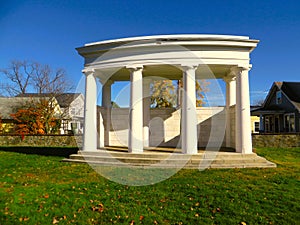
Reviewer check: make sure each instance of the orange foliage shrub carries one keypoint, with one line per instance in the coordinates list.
(36, 119)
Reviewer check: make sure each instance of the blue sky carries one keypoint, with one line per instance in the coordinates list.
(49, 31)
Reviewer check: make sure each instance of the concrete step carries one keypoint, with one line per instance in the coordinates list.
(168, 160)
(186, 166)
(161, 155)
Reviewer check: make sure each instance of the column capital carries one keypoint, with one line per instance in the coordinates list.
(238, 69)
(229, 78)
(88, 71)
(134, 67)
(185, 67)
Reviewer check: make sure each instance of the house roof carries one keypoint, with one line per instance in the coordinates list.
(7, 105)
(290, 89)
(64, 99)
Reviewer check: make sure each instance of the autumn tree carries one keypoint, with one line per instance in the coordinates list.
(201, 89)
(36, 117)
(164, 93)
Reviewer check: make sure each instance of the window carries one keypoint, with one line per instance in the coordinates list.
(292, 123)
(256, 127)
(74, 125)
(64, 125)
(267, 124)
(79, 112)
(278, 97)
(271, 124)
(73, 111)
(289, 123)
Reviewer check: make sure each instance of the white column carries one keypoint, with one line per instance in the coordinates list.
(243, 119)
(189, 113)
(146, 110)
(135, 137)
(230, 101)
(101, 130)
(90, 112)
(106, 103)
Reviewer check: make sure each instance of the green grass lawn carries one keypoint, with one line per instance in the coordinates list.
(42, 190)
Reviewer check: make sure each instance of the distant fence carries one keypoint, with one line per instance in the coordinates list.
(276, 140)
(41, 140)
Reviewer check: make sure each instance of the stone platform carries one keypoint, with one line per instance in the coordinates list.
(169, 158)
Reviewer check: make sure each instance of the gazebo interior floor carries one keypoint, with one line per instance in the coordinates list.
(166, 149)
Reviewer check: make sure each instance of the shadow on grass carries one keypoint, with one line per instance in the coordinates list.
(46, 151)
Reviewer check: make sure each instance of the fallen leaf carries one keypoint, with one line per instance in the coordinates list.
(30, 175)
(55, 221)
(163, 200)
(101, 207)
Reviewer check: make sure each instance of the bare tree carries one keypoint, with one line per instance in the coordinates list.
(18, 76)
(259, 102)
(22, 77)
(45, 80)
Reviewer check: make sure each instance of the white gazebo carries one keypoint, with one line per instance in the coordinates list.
(176, 57)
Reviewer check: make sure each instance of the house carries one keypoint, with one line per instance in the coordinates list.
(72, 105)
(68, 106)
(255, 120)
(9, 105)
(280, 112)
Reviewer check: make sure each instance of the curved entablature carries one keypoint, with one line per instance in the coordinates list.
(173, 38)
(169, 50)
